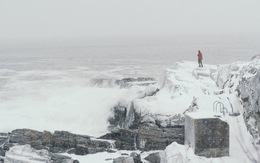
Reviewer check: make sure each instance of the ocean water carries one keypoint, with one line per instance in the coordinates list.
(45, 85)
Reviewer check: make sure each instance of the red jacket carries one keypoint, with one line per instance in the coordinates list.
(200, 56)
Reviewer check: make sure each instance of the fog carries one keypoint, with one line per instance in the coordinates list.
(73, 19)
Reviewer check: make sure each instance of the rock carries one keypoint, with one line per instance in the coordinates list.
(124, 160)
(149, 91)
(3, 138)
(122, 83)
(65, 140)
(125, 117)
(58, 142)
(136, 157)
(144, 131)
(27, 136)
(25, 154)
(57, 158)
(249, 93)
(155, 138)
(256, 57)
(71, 151)
(102, 82)
(119, 116)
(2, 159)
(81, 149)
(158, 157)
(2, 152)
(133, 118)
(141, 81)
(124, 139)
(46, 138)
(3, 143)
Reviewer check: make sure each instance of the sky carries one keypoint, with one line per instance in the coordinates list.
(45, 19)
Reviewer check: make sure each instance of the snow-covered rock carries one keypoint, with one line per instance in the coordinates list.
(233, 87)
(26, 154)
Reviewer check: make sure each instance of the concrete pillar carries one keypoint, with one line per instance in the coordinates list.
(207, 135)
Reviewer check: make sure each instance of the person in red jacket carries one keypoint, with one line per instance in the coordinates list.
(200, 58)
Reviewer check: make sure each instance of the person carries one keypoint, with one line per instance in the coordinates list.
(200, 58)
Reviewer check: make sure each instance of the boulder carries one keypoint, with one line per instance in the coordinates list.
(81, 149)
(124, 160)
(136, 157)
(157, 157)
(27, 136)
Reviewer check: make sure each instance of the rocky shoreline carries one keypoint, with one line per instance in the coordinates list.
(134, 128)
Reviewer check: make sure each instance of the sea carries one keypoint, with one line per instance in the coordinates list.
(46, 84)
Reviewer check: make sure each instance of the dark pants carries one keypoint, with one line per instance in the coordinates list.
(200, 63)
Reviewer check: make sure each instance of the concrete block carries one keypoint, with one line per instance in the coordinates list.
(207, 135)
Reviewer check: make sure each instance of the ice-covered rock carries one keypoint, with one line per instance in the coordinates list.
(122, 83)
(244, 78)
(26, 154)
(249, 92)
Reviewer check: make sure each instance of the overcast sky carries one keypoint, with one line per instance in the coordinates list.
(30, 19)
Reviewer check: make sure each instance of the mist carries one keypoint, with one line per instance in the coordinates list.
(75, 19)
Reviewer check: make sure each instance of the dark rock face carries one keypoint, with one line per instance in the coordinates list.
(143, 131)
